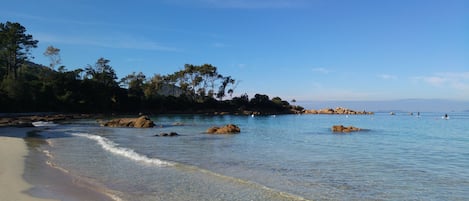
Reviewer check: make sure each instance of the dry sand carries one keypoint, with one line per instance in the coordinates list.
(12, 156)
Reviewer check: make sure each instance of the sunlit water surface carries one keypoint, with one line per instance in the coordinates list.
(282, 157)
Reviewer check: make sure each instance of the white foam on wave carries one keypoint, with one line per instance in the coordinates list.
(114, 148)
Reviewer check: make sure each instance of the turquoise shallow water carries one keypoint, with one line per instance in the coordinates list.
(283, 157)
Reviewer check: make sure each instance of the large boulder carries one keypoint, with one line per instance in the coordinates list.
(227, 129)
(343, 129)
(140, 122)
(143, 122)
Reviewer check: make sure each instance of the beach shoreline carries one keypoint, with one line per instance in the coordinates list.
(12, 154)
(27, 175)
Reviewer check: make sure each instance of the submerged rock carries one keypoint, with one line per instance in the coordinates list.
(171, 134)
(140, 122)
(343, 129)
(178, 124)
(227, 129)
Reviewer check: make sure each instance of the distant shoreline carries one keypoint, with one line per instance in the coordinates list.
(26, 119)
(398, 105)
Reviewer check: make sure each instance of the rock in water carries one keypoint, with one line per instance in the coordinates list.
(227, 129)
(172, 134)
(343, 129)
(144, 122)
(212, 130)
(141, 122)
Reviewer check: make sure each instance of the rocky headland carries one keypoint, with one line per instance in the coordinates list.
(337, 110)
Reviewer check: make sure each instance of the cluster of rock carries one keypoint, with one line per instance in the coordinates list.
(145, 122)
(227, 129)
(343, 129)
(26, 121)
(140, 122)
(338, 110)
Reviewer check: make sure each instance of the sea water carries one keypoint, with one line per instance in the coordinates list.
(282, 157)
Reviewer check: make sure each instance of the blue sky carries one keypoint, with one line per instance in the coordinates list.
(296, 49)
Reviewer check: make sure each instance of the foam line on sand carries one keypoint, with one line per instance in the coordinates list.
(12, 163)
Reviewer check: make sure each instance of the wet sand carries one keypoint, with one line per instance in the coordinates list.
(12, 155)
(25, 175)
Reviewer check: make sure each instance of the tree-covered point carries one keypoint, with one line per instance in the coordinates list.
(29, 87)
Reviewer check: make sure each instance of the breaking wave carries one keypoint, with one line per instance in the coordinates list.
(114, 148)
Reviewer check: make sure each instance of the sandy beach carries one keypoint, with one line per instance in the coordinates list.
(25, 175)
(12, 156)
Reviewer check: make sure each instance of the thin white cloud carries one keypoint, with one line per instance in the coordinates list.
(321, 70)
(342, 94)
(118, 42)
(453, 80)
(54, 20)
(459, 81)
(317, 86)
(435, 80)
(387, 77)
(460, 75)
(322, 91)
(115, 26)
(241, 65)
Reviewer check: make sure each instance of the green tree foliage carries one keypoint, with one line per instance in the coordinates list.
(224, 84)
(15, 45)
(68, 91)
(153, 86)
(102, 73)
(134, 83)
(30, 87)
(100, 87)
(260, 101)
(200, 82)
(29, 91)
(135, 88)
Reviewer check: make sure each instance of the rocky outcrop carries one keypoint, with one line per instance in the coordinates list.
(227, 129)
(343, 129)
(140, 122)
(338, 110)
(26, 121)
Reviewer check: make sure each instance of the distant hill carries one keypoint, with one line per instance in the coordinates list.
(34, 65)
(404, 105)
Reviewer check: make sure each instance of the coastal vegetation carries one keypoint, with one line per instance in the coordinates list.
(29, 87)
